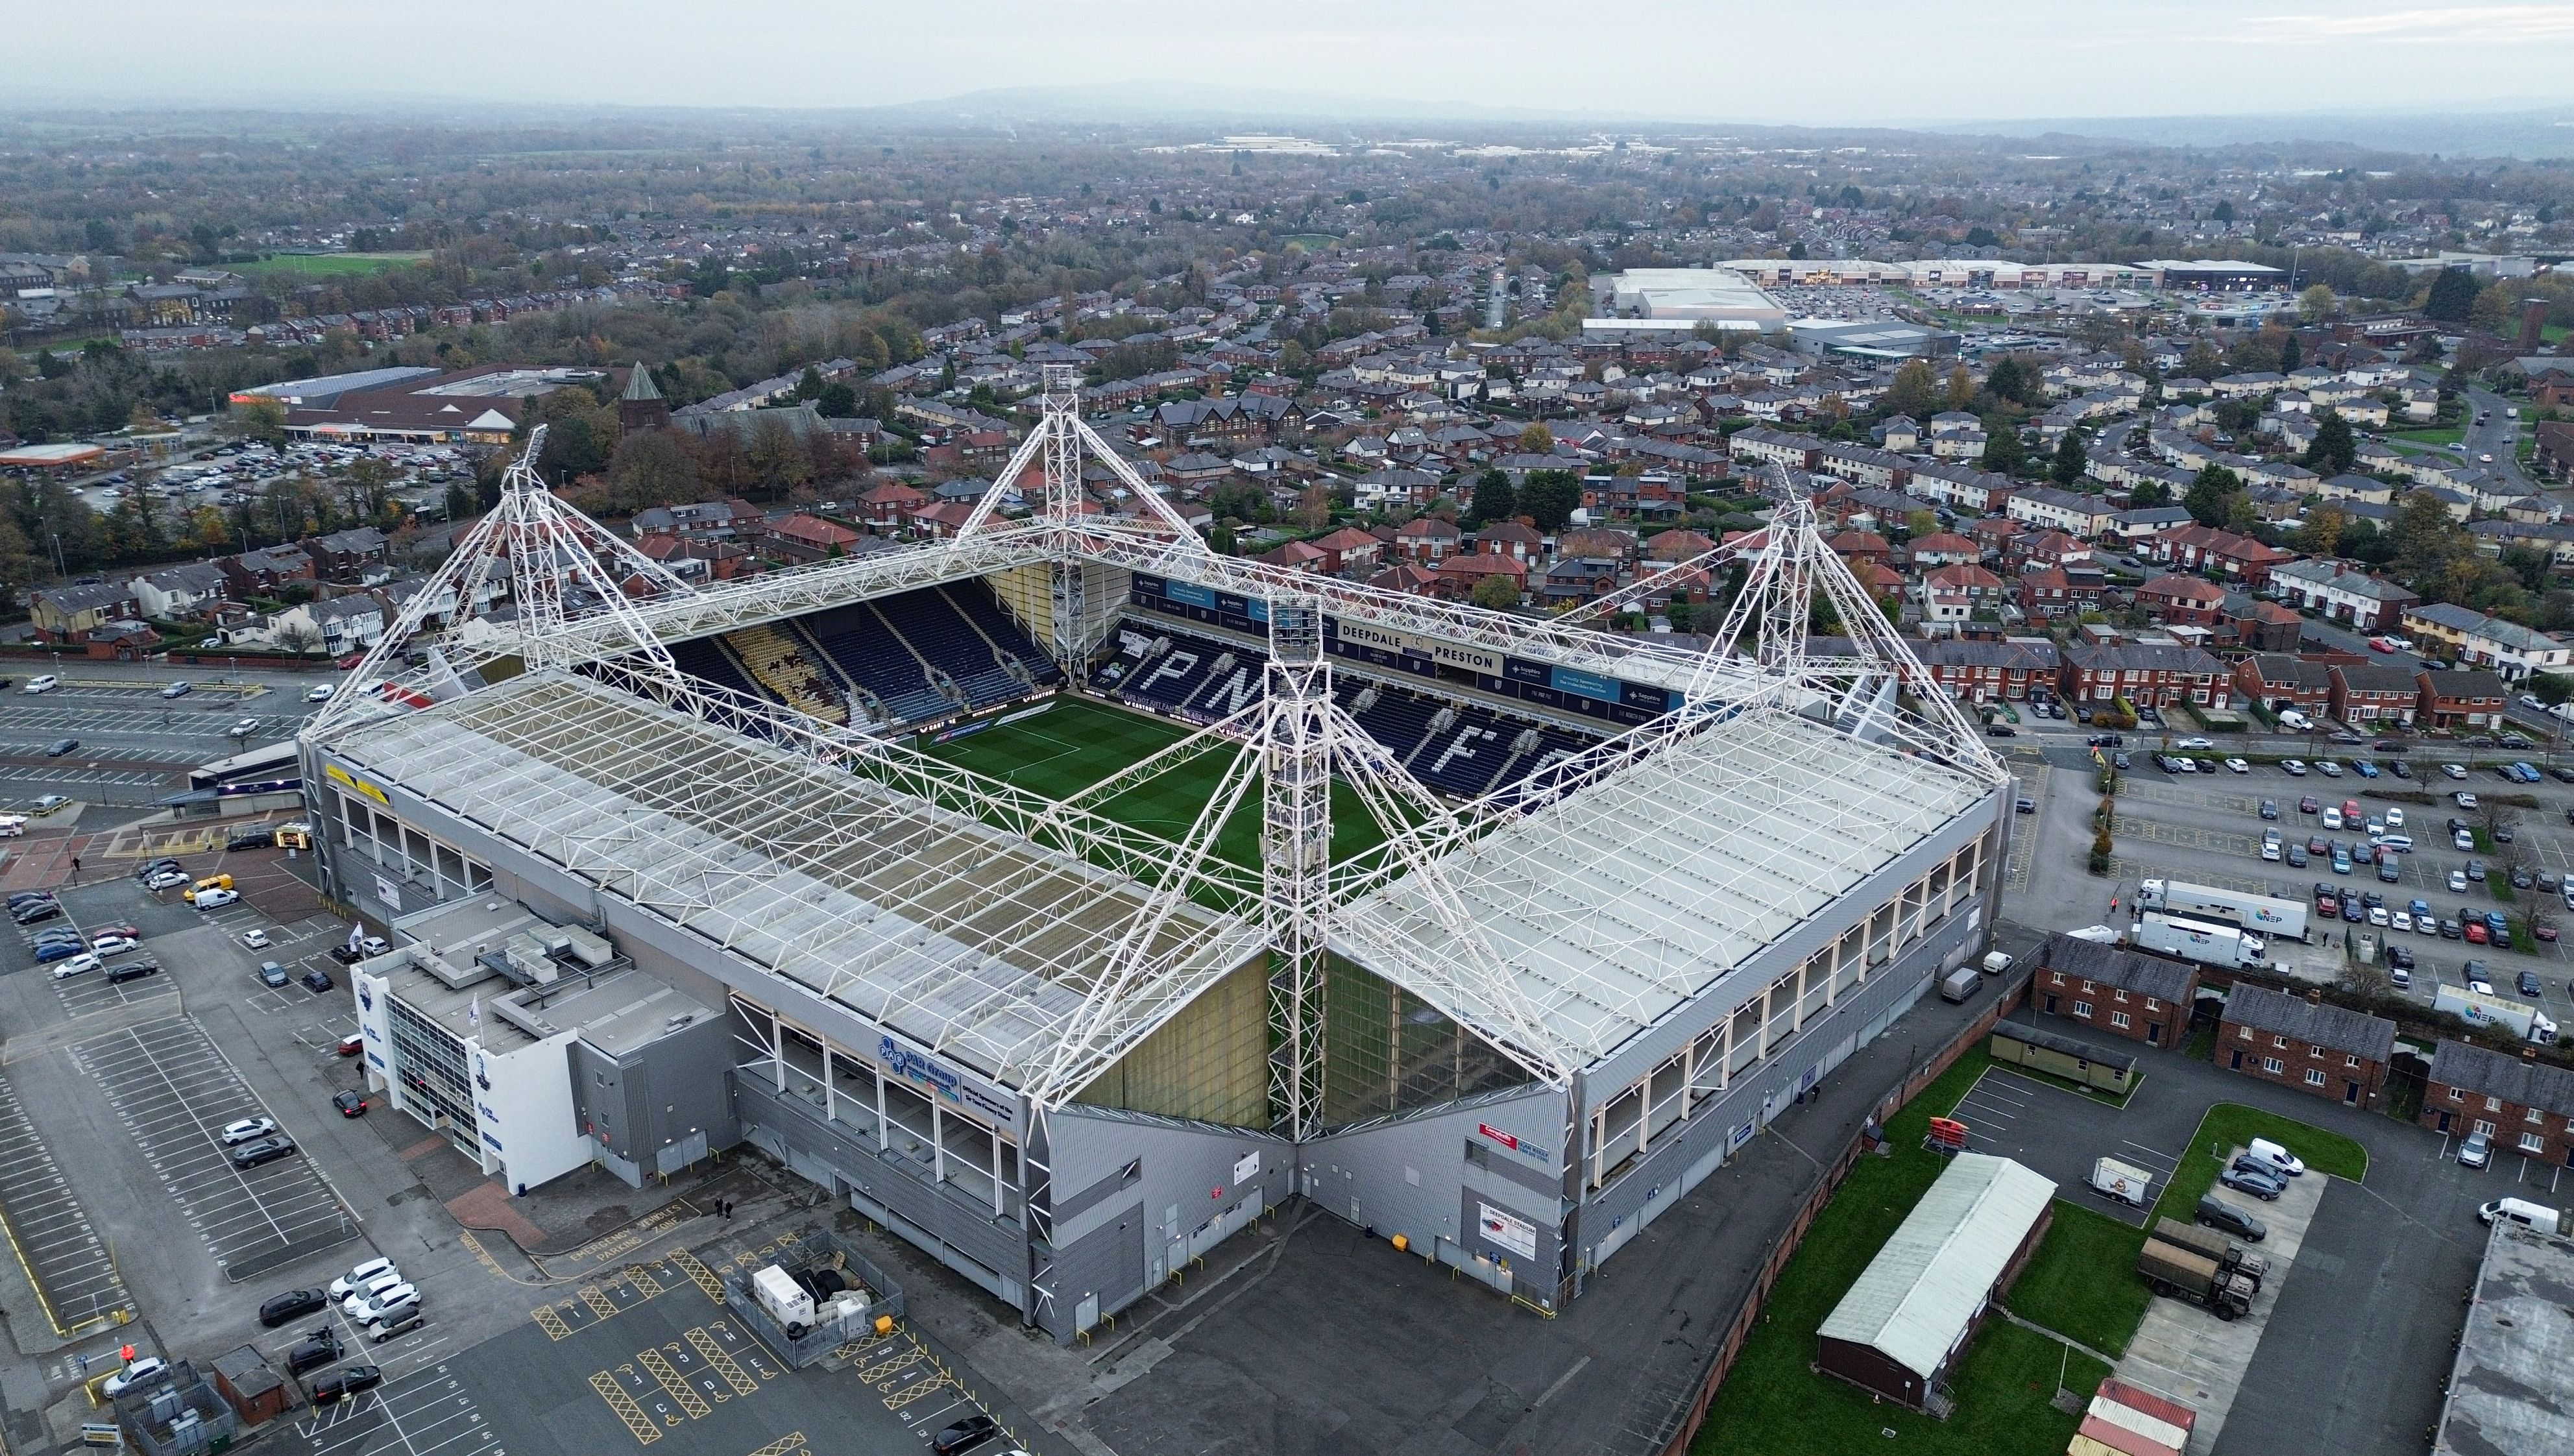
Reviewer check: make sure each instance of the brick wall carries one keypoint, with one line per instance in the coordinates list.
(2258, 1053)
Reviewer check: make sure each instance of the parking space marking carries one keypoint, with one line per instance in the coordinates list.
(790, 1444)
(667, 1376)
(698, 1271)
(69, 1267)
(173, 1089)
(592, 1303)
(424, 1414)
(624, 1404)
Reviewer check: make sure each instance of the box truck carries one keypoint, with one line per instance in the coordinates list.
(2123, 1182)
(2205, 942)
(2208, 1243)
(2259, 914)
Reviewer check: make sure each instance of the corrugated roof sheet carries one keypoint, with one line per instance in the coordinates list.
(1921, 1290)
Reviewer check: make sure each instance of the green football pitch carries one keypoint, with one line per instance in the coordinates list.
(1075, 743)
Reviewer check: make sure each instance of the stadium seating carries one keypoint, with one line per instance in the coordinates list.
(1466, 749)
(705, 658)
(933, 625)
(859, 644)
(978, 606)
(775, 660)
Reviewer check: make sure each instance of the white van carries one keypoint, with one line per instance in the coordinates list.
(2271, 1154)
(2295, 723)
(42, 683)
(2523, 1212)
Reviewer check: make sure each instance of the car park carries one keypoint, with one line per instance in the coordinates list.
(293, 1304)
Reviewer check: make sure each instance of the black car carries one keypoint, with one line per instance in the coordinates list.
(2400, 768)
(34, 911)
(293, 1304)
(349, 1103)
(965, 1435)
(152, 868)
(60, 746)
(258, 836)
(317, 979)
(2528, 984)
(265, 1150)
(2216, 1213)
(2001, 730)
(132, 970)
(2399, 957)
(344, 1381)
(28, 897)
(315, 1350)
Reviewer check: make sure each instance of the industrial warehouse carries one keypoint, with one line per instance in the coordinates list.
(1066, 894)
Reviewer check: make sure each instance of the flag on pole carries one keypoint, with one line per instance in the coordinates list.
(356, 933)
(474, 1010)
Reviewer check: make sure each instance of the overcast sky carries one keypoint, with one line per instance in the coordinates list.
(1774, 61)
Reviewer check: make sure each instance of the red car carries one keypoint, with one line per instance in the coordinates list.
(352, 1045)
(2476, 934)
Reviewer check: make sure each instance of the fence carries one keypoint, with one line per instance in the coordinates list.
(1756, 1298)
(817, 1249)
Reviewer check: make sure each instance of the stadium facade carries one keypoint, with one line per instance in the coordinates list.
(1618, 903)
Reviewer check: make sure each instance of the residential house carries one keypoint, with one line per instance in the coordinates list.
(2159, 674)
(359, 557)
(2340, 592)
(2085, 517)
(2302, 1042)
(2218, 552)
(1521, 542)
(2511, 649)
(1943, 548)
(1427, 540)
(2374, 692)
(2264, 626)
(180, 593)
(333, 626)
(2174, 600)
(1459, 575)
(2140, 998)
(2467, 701)
(1350, 551)
(2519, 1102)
(2280, 682)
(68, 613)
(1986, 671)
(267, 570)
(724, 520)
(888, 505)
(805, 537)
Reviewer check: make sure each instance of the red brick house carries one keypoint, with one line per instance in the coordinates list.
(2140, 998)
(808, 538)
(2187, 600)
(1459, 575)
(2045, 591)
(2267, 627)
(1978, 586)
(1975, 669)
(1350, 549)
(2319, 1049)
(2525, 1105)
(2470, 700)
(2144, 673)
(1427, 540)
(2218, 552)
(1944, 549)
(2375, 693)
(889, 505)
(1856, 547)
(2277, 680)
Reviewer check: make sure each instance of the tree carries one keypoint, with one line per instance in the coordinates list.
(809, 386)
(1493, 499)
(1550, 497)
(1919, 522)
(261, 419)
(2148, 493)
(1961, 388)
(2334, 450)
(650, 469)
(2452, 297)
(836, 402)
(2424, 537)
(2550, 688)
(2011, 380)
(1537, 440)
(2208, 492)
(2071, 459)
(2240, 513)
(2004, 450)
(2290, 355)
(2316, 303)
(1915, 391)
(2321, 534)
(779, 461)
(1497, 592)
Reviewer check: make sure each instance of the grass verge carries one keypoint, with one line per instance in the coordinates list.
(1773, 1404)
(331, 265)
(2082, 1281)
(2230, 1125)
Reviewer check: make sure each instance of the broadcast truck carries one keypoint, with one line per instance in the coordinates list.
(2482, 1008)
(2205, 942)
(2262, 914)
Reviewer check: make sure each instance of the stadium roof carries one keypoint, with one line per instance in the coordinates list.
(973, 942)
(1934, 1277)
(1618, 903)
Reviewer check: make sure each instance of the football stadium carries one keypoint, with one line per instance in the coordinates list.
(1063, 894)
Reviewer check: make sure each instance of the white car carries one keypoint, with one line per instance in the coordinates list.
(2465, 799)
(2295, 767)
(2454, 770)
(319, 694)
(255, 937)
(209, 900)
(2377, 915)
(366, 1273)
(114, 944)
(85, 962)
(166, 880)
(235, 1134)
(133, 1375)
(2457, 882)
(12, 825)
(359, 1294)
(2403, 920)
(2238, 765)
(373, 946)
(2194, 743)
(384, 1304)
(42, 683)
(244, 729)
(2328, 767)
(2480, 986)
(2395, 818)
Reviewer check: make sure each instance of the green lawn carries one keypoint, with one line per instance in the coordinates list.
(1076, 743)
(2431, 435)
(1772, 1404)
(2229, 1125)
(331, 265)
(2083, 1282)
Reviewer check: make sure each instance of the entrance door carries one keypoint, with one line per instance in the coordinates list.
(2351, 1094)
(2236, 1063)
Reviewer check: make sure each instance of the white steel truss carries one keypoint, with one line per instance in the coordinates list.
(1296, 856)
(1062, 440)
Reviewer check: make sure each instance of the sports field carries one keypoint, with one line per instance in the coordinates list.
(331, 265)
(1075, 743)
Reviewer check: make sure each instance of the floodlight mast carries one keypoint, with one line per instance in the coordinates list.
(562, 567)
(1296, 856)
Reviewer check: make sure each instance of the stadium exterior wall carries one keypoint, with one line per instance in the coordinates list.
(1137, 1196)
(1427, 1176)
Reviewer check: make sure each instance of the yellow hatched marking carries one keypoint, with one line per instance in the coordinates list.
(696, 1268)
(790, 1444)
(658, 1366)
(722, 1362)
(597, 1299)
(910, 1393)
(551, 1323)
(641, 1276)
(625, 1408)
(882, 1372)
